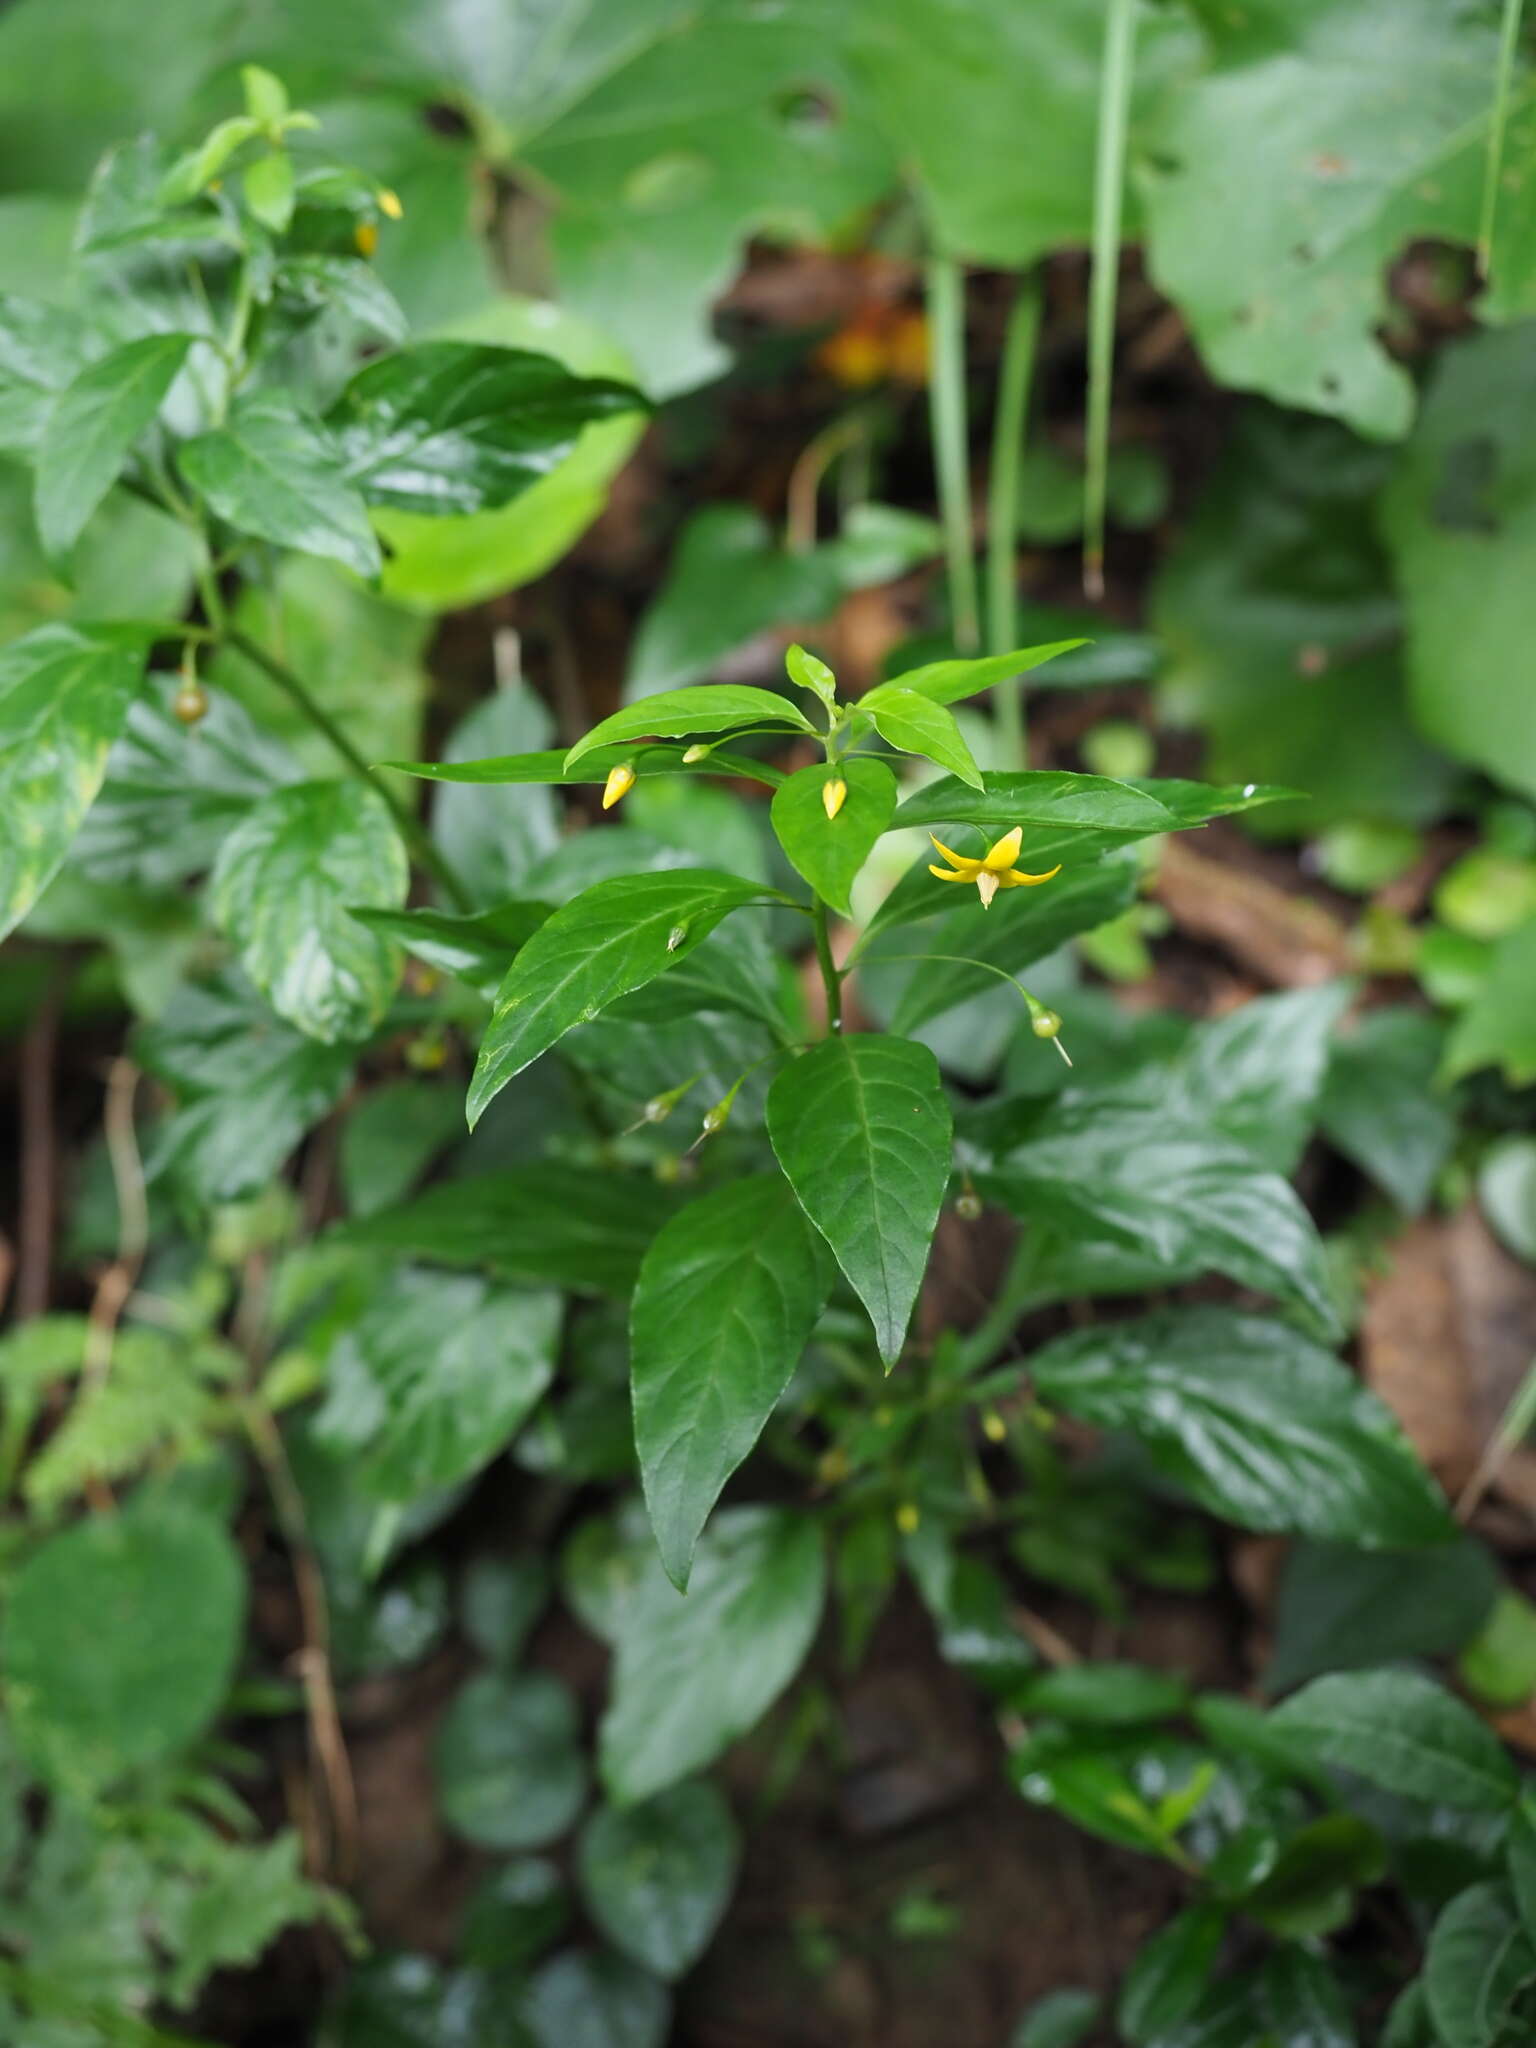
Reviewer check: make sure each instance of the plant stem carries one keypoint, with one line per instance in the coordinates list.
(1013, 382)
(831, 980)
(946, 407)
(1503, 87)
(1108, 198)
(410, 826)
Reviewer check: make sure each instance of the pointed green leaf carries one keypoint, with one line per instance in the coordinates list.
(273, 472)
(1041, 799)
(447, 428)
(282, 888)
(91, 427)
(658, 1877)
(64, 698)
(1402, 1731)
(549, 765)
(612, 938)
(728, 1296)
(917, 725)
(41, 348)
(268, 188)
(709, 707)
(862, 1129)
(478, 949)
(947, 682)
(829, 852)
(1479, 1960)
(510, 1770)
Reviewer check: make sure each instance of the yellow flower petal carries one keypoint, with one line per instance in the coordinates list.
(1017, 879)
(1005, 851)
(948, 874)
(961, 862)
(986, 887)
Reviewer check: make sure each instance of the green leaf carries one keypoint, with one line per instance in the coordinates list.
(658, 1877)
(453, 427)
(1340, 1608)
(727, 1298)
(673, 714)
(1499, 1665)
(692, 1675)
(64, 697)
(1506, 1193)
(1255, 1421)
(91, 427)
(861, 1126)
(1479, 1961)
(829, 852)
(273, 472)
(611, 939)
(436, 1379)
(1459, 513)
(1104, 1695)
(1310, 1888)
(517, 1911)
(120, 1641)
(946, 682)
(490, 840)
(1379, 1107)
(579, 1227)
(1303, 2000)
(500, 1602)
(41, 348)
(1401, 1731)
(1170, 1974)
(595, 1999)
(510, 1772)
(548, 765)
(918, 725)
(244, 1895)
(1048, 801)
(1520, 1852)
(282, 888)
(1498, 1027)
(1179, 1196)
(268, 188)
(1257, 1072)
(1062, 2019)
(313, 286)
(478, 949)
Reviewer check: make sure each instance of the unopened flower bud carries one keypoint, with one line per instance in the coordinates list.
(993, 1427)
(621, 781)
(968, 1205)
(365, 237)
(696, 753)
(190, 703)
(717, 1118)
(1045, 1023)
(834, 795)
(389, 204)
(908, 1518)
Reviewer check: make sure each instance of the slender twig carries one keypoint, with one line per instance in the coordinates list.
(946, 405)
(410, 826)
(1503, 89)
(122, 1276)
(805, 479)
(1507, 1438)
(831, 980)
(39, 1153)
(1108, 198)
(1013, 381)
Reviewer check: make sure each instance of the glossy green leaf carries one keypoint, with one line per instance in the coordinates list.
(918, 725)
(1104, 1695)
(1379, 1106)
(267, 185)
(478, 949)
(1045, 801)
(609, 940)
(282, 890)
(657, 1877)
(41, 348)
(120, 1641)
(594, 1999)
(500, 1602)
(390, 1138)
(91, 427)
(453, 427)
(510, 1772)
(517, 1911)
(1302, 1999)
(707, 708)
(1498, 1026)
(947, 682)
(274, 472)
(1254, 1420)
(1479, 1961)
(1257, 1072)
(1340, 1608)
(1403, 1732)
(1310, 1888)
(64, 698)
(694, 1674)
(829, 852)
(1171, 1971)
(489, 839)
(579, 1227)
(861, 1126)
(1062, 2019)
(436, 1379)
(1506, 1192)
(548, 766)
(726, 1301)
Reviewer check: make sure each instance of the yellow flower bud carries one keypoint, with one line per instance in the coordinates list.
(190, 703)
(697, 752)
(621, 781)
(834, 795)
(365, 237)
(968, 1205)
(389, 204)
(993, 1427)
(908, 1518)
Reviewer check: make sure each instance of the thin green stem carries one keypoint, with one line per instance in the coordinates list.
(1108, 198)
(1503, 89)
(1014, 378)
(831, 980)
(410, 826)
(946, 405)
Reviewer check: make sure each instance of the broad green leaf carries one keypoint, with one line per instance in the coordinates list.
(1180, 1196)
(591, 1998)
(1302, 1999)
(274, 472)
(1254, 1420)
(1459, 514)
(579, 1227)
(248, 1086)
(436, 1379)
(516, 1912)
(1479, 1961)
(693, 1674)
(1520, 1853)
(1498, 1026)
(64, 697)
(1104, 1695)
(120, 1641)
(490, 840)
(918, 725)
(673, 714)
(341, 285)
(1499, 1665)
(657, 1877)
(1403, 1732)
(861, 1126)
(1043, 800)
(41, 348)
(452, 427)
(1506, 1192)
(282, 890)
(548, 765)
(510, 1772)
(243, 1896)
(1257, 1072)
(91, 427)
(1109, 1781)
(1062, 2019)
(478, 949)
(1340, 1608)
(970, 1607)
(947, 682)
(268, 188)
(611, 939)
(726, 1301)
(500, 1602)
(1310, 1888)
(1171, 1972)
(1379, 1106)
(829, 852)
(390, 1137)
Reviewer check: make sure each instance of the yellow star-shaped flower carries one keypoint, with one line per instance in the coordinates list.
(994, 871)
